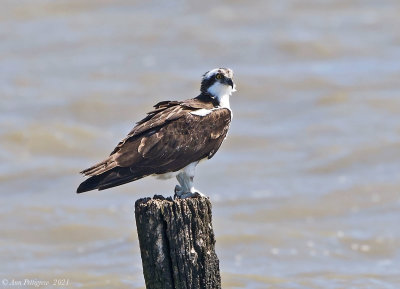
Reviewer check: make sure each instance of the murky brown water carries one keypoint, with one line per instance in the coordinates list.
(306, 187)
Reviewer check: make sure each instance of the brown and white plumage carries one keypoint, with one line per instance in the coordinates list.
(173, 137)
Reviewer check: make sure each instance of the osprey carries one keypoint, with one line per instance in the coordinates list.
(171, 140)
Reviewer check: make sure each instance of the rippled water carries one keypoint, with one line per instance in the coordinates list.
(305, 190)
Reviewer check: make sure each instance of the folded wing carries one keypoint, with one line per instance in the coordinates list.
(168, 139)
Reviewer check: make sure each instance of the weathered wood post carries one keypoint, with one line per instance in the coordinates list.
(177, 243)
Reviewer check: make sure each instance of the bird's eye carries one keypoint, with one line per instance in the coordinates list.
(218, 76)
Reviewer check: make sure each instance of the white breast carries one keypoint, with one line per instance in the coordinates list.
(221, 92)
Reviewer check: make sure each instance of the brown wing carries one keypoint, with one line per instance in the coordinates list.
(163, 112)
(167, 141)
(176, 144)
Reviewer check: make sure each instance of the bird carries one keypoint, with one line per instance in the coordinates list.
(171, 139)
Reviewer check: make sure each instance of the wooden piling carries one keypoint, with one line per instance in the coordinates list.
(177, 243)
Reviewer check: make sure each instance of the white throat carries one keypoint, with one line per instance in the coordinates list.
(221, 92)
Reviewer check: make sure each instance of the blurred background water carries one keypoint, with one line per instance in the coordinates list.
(305, 189)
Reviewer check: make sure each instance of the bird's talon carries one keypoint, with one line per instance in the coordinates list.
(198, 194)
(179, 192)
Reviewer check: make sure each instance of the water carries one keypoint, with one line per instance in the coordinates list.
(305, 190)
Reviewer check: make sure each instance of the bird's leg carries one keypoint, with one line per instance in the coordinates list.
(182, 189)
(189, 172)
(185, 179)
(186, 186)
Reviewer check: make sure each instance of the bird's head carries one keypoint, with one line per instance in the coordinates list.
(218, 82)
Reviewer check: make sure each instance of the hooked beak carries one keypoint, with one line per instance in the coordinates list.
(229, 81)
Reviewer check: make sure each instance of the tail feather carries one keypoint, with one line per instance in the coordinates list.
(115, 177)
(91, 183)
(101, 167)
(118, 182)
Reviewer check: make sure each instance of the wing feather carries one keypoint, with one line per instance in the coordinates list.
(154, 119)
(177, 143)
(166, 140)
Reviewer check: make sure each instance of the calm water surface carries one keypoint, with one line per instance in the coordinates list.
(305, 190)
